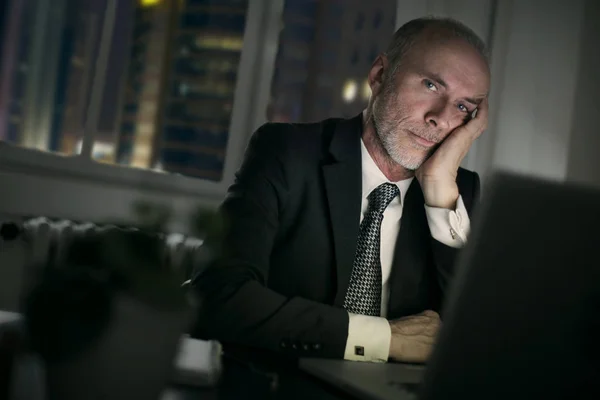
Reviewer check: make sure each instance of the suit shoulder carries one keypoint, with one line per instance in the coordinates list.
(302, 138)
(466, 173)
(468, 185)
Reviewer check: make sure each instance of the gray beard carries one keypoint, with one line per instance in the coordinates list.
(380, 139)
(387, 146)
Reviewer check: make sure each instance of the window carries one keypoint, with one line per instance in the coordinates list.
(231, 43)
(149, 3)
(354, 58)
(216, 2)
(101, 82)
(305, 8)
(333, 34)
(151, 88)
(230, 20)
(299, 32)
(297, 52)
(202, 70)
(145, 129)
(377, 19)
(59, 96)
(329, 57)
(325, 81)
(148, 108)
(374, 52)
(366, 90)
(349, 90)
(337, 53)
(45, 87)
(360, 21)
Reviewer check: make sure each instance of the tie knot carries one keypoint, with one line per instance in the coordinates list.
(382, 196)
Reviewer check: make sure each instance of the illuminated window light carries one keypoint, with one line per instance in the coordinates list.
(366, 90)
(145, 129)
(225, 43)
(149, 3)
(349, 90)
(141, 156)
(158, 167)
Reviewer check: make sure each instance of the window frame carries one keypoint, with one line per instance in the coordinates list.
(251, 96)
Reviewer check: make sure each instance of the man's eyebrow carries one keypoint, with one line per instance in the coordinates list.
(435, 77)
(438, 79)
(475, 102)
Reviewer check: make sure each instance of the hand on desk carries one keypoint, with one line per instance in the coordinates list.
(413, 336)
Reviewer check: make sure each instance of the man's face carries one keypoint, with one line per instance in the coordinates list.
(435, 89)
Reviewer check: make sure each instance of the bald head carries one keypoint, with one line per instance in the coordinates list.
(428, 30)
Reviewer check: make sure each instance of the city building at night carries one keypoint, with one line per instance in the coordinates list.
(179, 91)
(45, 80)
(326, 49)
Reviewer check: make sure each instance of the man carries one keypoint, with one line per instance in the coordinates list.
(333, 248)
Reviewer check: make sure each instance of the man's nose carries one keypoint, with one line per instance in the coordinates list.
(439, 117)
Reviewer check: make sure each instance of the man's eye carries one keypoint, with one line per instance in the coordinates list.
(430, 85)
(462, 108)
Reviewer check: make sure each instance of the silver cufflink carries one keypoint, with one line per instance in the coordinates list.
(453, 233)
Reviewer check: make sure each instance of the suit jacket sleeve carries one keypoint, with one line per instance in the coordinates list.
(236, 306)
(444, 257)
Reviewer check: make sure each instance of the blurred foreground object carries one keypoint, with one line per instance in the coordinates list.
(21, 371)
(108, 320)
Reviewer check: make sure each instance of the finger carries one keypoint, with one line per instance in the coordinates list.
(466, 134)
(479, 124)
(432, 330)
(412, 329)
(415, 352)
(432, 316)
(430, 313)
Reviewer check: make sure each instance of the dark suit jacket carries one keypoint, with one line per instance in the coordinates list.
(293, 217)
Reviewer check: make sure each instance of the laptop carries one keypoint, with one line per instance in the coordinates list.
(522, 319)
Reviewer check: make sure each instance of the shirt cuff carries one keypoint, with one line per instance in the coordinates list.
(368, 339)
(450, 227)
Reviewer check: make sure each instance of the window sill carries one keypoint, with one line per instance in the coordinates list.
(41, 163)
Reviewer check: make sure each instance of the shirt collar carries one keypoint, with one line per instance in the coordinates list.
(373, 177)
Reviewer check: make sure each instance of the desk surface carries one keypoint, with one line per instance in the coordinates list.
(186, 393)
(242, 381)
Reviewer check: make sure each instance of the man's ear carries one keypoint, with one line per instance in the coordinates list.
(377, 73)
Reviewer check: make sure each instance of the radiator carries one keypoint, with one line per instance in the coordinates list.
(14, 253)
(39, 240)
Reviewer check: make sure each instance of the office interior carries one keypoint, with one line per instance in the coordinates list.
(138, 113)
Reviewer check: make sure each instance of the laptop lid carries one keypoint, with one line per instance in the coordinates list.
(522, 319)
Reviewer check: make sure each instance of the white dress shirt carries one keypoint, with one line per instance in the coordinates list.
(450, 227)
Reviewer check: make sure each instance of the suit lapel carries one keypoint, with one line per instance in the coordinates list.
(410, 253)
(343, 183)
